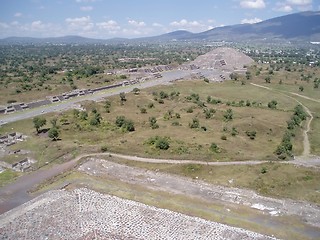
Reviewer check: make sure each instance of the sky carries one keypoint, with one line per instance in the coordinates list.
(106, 19)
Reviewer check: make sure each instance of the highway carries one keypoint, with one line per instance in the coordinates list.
(98, 96)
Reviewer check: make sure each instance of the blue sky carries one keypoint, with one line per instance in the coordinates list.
(135, 18)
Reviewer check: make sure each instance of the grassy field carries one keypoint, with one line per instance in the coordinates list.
(52, 87)
(173, 116)
(8, 176)
(174, 107)
(186, 142)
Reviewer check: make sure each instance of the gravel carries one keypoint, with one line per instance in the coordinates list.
(86, 214)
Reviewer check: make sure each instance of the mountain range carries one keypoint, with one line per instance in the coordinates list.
(303, 26)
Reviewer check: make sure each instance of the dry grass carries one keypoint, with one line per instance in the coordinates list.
(184, 141)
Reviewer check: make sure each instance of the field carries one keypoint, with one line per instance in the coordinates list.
(174, 117)
(189, 117)
(246, 118)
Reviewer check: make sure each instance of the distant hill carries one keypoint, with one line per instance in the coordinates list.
(297, 26)
(303, 26)
(51, 40)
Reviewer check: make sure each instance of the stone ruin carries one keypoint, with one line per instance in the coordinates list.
(8, 140)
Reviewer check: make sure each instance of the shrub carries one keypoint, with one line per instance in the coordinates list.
(124, 123)
(228, 116)
(143, 110)
(214, 148)
(195, 123)
(163, 95)
(224, 137)
(190, 110)
(234, 132)
(273, 104)
(251, 134)
(175, 123)
(158, 142)
(150, 105)
(264, 170)
(104, 148)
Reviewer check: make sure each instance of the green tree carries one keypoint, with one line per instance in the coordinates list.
(39, 122)
(124, 123)
(122, 97)
(53, 133)
(95, 119)
(54, 122)
(268, 79)
(83, 115)
(107, 105)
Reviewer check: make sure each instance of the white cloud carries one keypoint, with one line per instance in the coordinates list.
(83, 23)
(283, 8)
(185, 23)
(193, 26)
(37, 25)
(18, 14)
(255, 4)
(136, 23)
(86, 8)
(299, 2)
(3, 25)
(157, 25)
(290, 5)
(250, 21)
(110, 25)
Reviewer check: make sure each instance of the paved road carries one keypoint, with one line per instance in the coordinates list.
(70, 103)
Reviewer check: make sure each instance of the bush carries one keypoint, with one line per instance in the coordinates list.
(124, 123)
(143, 110)
(228, 116)
(273, 104)
(234, 132)
(150, 105)
(251, 134)
(104, 148)
(214, 148)
(195, 123)
(224, 137)
(190, 110)
(158, 142)
(175, 123)
(264, 170)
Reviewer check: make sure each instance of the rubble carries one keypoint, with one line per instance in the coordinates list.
(84, 214)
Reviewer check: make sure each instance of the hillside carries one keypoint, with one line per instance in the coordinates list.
(298, 26)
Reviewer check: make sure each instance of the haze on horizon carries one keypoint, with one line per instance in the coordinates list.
(130, 19)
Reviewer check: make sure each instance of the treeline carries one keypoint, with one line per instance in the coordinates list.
(285, 148)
